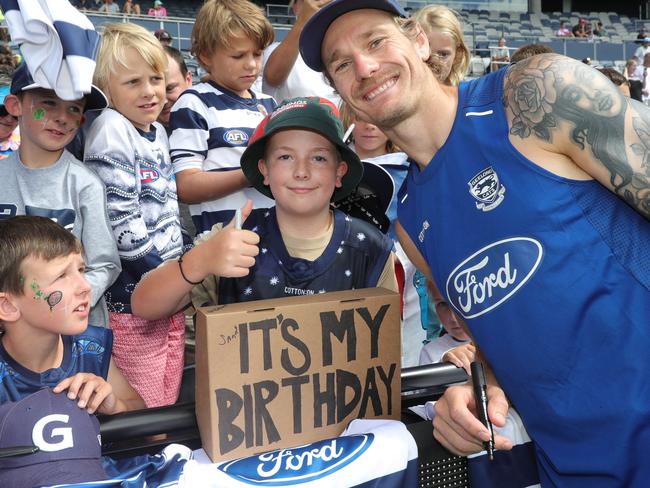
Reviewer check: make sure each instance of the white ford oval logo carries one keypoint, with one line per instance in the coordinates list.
(493, 274)
(296, 465)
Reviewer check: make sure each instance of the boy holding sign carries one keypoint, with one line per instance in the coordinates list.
(298, 247)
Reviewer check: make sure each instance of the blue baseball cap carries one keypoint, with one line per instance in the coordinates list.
(314, 31)
(22, 81)
(67, 437)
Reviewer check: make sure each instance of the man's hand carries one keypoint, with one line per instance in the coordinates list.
(92, 392)
(457, 427)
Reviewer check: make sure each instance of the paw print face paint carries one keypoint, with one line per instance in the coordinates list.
(38, 114)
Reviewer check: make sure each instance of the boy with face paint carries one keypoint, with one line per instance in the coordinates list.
(45, 339)
(44, 179)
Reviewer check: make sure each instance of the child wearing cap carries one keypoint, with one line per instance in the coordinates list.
(129, 151)
(42, 178)
(212, 122)
(44, 303)
(299, 247)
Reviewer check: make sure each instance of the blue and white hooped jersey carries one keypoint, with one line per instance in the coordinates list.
(353, 259)
(140, 196)
(552, 276)
(210, 131)
(89, 352)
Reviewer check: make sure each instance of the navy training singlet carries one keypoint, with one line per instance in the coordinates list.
(553, 278)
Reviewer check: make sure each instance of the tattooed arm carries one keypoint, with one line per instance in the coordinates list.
(571, 111)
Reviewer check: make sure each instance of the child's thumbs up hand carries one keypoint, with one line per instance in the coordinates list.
(231, 252)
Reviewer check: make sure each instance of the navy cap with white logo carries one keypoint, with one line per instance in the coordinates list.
(66, 435)
(314, 31)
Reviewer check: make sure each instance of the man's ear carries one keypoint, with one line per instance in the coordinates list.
(341, 170)
(9, 312)
(261, 165)
(13, 105)
(422, 43)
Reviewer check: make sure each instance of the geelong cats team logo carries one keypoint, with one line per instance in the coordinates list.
(487, 189)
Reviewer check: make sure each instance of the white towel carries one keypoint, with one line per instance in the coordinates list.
(58, 43)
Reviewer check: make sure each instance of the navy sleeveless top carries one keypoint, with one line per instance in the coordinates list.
(552, 276)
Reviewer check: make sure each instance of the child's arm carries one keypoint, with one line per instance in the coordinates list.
(95, 394)
(461, 356)
(189, 122)
(196, 185)
(229, 252)
(102, 259)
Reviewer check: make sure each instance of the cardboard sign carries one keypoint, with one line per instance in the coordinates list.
(279, 373)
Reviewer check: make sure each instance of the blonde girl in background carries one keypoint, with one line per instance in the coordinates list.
(445, 34)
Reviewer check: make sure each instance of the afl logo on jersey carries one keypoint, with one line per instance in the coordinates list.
(298, 465)
(487, 189)
(148, 175)
(236, 137)
(492, 275)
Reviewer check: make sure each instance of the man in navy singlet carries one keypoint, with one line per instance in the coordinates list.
(528, 206)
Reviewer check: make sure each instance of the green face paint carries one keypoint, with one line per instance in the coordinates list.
(38, 114)
(38, 293)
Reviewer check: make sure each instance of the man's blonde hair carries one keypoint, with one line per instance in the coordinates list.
(219, 21)
(445, 20)
(116, 39)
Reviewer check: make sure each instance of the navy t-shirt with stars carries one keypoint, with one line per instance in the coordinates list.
(354, 258)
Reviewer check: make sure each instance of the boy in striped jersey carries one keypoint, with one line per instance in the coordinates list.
(211, 122)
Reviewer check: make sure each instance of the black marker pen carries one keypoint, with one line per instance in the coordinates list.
(480, 394)
(6, 452)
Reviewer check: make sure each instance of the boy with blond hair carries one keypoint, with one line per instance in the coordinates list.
(44, 304)
(212, 122)
(129, 151)
(298, 247)
(47, 123)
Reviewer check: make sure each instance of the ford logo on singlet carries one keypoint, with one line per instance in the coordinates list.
(493, 274)
(285, 467)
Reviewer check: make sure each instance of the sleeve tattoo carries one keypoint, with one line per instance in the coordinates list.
(544, 92)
